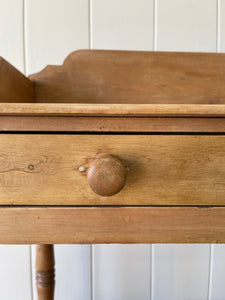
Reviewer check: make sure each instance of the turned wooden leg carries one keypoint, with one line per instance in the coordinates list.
(45, 272)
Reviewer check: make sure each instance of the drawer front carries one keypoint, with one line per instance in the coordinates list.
(161, 169)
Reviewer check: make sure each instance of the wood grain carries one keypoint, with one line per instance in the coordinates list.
(112, 110)
(14, 86)
(95, 76)
(107, 175)
(96, 225)
(45, 272)
(43, 169)
(111, 124)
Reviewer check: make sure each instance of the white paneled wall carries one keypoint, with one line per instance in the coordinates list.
(186, 25)
(121, 272)
(15, 273)
(217, 286)
(53, 29)
(181, 272)
(221, 25)
(11, 32)
(36, 33)
(125, 25)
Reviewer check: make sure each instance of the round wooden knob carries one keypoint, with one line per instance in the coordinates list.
(107, 175)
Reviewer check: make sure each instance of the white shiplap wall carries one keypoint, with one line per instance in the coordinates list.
(36, 33)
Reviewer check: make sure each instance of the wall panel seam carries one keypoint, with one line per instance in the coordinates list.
(218, 31)
(25, 37)
(92, 266)
(151, 271)
(90, 24)
(155, 24)
(210, 272)
(31, 273)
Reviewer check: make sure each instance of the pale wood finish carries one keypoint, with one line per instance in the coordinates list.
(96, 225)
(95, 76)
(111, 124)
(45, 272)
(112, 110)
(107, 175)
(163, 169)
(14, 86)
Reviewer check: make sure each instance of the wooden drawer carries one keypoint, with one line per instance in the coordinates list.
(38, 169)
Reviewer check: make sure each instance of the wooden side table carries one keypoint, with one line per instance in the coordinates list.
(112, 147)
